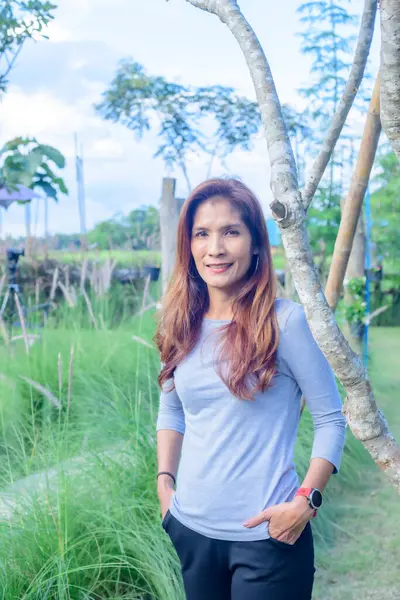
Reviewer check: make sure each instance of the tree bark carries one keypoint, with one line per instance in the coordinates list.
(352, 207)
(365, 420)
(390, 71)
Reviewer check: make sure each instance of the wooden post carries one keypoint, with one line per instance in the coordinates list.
(81, 193)
(169, 213)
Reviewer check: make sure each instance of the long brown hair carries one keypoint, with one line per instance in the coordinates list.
(249, 342)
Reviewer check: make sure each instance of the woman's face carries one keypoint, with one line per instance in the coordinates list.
(221, 244)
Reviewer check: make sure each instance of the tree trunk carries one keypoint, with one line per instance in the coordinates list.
(365, 420)
(352, 207)
(169, 213)
(390, 71)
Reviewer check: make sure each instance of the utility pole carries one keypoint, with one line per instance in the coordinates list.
(80, 192)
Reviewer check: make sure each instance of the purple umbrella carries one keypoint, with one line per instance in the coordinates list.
(21, 194)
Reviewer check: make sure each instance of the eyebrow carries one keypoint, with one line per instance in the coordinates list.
(223, 227)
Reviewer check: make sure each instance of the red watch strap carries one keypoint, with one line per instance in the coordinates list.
(305, 492)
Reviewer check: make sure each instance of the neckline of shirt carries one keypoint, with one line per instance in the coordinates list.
(217, 320)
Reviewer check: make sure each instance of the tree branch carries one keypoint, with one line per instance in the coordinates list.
(367, 422)
(345, 104)
(10, 64)
(283, 166)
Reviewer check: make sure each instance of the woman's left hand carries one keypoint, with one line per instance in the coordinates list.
(286, 520)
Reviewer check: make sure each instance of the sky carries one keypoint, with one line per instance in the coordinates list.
(56, 82)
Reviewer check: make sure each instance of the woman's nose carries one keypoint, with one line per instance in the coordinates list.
(215, 245)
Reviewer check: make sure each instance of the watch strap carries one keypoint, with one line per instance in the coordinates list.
(307, 493)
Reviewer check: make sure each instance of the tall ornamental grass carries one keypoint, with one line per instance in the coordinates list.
(78, 460)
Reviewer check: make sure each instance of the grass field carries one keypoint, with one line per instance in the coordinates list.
(132, 258)
(365, 560)
(93, 533)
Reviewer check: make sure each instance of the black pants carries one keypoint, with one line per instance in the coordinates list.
(257, 570)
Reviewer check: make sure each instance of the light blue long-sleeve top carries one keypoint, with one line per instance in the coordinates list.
(237, 455)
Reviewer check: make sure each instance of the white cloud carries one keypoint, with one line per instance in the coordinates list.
(57, 33)
(58, 82)
(37, 114)
(107, 148)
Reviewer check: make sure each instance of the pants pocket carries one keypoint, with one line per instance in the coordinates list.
(306, 534)
(281, 544)
(165, 520)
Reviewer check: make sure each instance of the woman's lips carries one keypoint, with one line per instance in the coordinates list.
(221, 269)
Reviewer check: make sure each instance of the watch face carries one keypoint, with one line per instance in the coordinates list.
(316, 498)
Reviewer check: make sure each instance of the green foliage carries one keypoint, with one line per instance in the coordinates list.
(324, 218)
(139, 230)
(28, 163)
(355, 310)
(20, 20)
(385, 207)
(328, 41)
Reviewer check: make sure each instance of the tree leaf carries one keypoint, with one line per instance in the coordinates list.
(47, 188)
(52, 154)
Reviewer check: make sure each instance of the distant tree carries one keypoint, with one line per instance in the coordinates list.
(328, 40)
(142, 102)
(63, 241)
(20, 20)
(138, 230)
(109, 233)
(144, 227)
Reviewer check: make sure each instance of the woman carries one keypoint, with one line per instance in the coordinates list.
(235, 363)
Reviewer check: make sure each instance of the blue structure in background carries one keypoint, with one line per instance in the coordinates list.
(273, 232)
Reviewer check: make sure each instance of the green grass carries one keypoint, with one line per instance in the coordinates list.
(123, 257)
(364, 563)
(97, 534)
(132, 258)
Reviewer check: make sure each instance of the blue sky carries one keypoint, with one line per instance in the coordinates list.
(55, 83)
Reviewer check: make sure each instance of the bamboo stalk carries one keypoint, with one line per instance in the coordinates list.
(352, 207)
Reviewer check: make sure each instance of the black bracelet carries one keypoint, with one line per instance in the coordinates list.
(166, 473)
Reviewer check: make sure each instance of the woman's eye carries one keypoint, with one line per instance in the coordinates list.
(231, 231)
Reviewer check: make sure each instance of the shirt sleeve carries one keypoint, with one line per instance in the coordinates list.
(317, 383)
(170, 412)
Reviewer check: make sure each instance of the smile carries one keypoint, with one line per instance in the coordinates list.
(219, 268)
